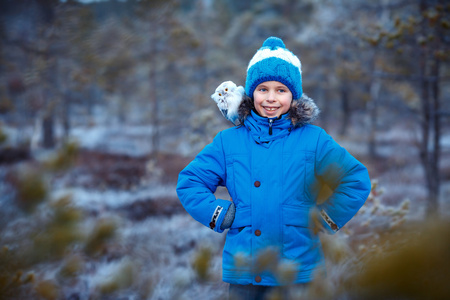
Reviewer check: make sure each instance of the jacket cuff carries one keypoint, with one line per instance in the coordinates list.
(229, 217)
(218, 214)
(327, 223)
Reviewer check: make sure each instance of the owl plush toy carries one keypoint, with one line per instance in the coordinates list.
(228, 97)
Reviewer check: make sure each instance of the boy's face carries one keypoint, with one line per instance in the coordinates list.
(272, 99)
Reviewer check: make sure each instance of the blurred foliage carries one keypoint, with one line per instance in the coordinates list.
(32, 189)
(156, 63)
(124, 55)
(64, 159)
(413, 29)
(59, 232)
(122, 278)
(6, 105)
(48, 290)
(201, 264)
(46, 230)
(3, 137)
(414, 264)
(403, 260)
(72, 267)
(103, 231)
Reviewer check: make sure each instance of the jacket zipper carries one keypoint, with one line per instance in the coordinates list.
(270, 126)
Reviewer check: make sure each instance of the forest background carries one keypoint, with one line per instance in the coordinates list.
(102, 103)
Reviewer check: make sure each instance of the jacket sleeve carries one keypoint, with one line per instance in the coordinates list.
(198, 182)
(346, 177)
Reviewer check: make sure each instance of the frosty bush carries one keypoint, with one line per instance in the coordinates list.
(45, 242)
(380, 254)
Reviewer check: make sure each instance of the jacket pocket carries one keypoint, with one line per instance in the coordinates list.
(243, 217)
(230, 176)
(239, 178)
(297, 169)
(296, 215)
(299, 242)
(238, 242)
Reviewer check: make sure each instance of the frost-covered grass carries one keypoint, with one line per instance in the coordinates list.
(95, 200)
(111, 138)
(156, 255)
(131, 239)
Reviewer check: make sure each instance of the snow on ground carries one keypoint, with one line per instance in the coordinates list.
(161, 248)
(169, 245)
(91, 199)
(118, 139)
(151, 259)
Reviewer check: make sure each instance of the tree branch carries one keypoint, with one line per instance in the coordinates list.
(402, 77)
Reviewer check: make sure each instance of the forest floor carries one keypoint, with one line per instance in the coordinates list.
(165, 236)
(161, 241)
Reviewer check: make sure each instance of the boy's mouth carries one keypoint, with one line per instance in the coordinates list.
(269, 108)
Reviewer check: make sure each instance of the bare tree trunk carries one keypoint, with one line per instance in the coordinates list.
(345, 106)
(48, 124)
(155, 113)
(48, 132)
(435, 142)
(322, 95)
(431, 128)
(425, 123)
(372, 107)
(436, 118)
(66, 114)
(375, 86)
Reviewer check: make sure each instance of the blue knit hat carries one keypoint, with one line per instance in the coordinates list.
(273, 62)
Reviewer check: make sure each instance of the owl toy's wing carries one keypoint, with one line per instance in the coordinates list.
(224, 113)
(228, 98)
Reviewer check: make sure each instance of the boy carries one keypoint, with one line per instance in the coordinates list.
(273, 166)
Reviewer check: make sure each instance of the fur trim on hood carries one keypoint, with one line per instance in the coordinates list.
(303, 111)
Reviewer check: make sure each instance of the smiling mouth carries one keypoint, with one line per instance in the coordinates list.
(270, 108)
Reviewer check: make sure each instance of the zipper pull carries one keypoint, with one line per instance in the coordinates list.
(270, 126)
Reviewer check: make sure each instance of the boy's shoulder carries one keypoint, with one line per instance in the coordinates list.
(305, 137)
(232, 131)
(309, 129)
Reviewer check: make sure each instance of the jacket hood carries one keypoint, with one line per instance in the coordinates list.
(303, 111)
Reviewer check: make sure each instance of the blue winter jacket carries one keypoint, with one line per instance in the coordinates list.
(274, 181)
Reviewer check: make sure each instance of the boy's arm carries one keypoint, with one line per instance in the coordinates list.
(347, 178)
(198, 182)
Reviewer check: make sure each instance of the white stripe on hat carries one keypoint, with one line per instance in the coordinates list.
(281, 53)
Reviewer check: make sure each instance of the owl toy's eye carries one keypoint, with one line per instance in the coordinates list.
(220, 94)
(226, 90)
